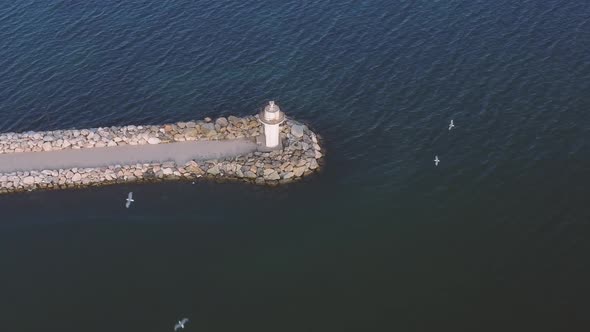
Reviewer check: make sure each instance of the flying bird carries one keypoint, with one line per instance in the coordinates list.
(180, 324)
(451, 125)
(129, 200)
(436, 161)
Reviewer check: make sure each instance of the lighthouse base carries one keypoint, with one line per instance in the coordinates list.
(261, 142)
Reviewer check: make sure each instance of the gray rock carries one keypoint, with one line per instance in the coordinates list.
(233, 120)
(310, 153)
(191, 133)
(213, 170)
(222, 122)
(207, 127)
(250, 174)
(271, 174)
(314, 138)
(153, 140)
(297, 131)
(77, 177)
(298, 171)
(29, 180)
(47, 146)
(313, 164)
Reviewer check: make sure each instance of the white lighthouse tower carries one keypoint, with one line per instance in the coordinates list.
(271, 117)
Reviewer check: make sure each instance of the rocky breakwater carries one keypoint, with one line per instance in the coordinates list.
(301, 154)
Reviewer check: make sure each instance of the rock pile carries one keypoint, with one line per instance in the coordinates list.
(223, 128)
(301, 155)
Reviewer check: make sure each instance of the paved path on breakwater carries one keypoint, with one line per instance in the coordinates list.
(179, 152)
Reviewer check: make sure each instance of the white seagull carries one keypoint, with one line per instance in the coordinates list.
(436, 161)
(180, 324)
(451, 125)
(129, 200)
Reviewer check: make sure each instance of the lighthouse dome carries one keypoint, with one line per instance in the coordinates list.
(272, 114)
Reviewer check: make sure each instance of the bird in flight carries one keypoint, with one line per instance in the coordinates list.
(451, 125)
(129, 199)
(436, 161)
(180, 324)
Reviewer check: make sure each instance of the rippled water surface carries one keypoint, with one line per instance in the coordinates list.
(494, 238)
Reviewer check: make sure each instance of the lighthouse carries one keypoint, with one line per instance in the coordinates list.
(271, 117)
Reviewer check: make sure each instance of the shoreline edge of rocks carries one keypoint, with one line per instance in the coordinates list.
(300, 154)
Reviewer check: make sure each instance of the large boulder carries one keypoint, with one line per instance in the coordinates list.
(193, 168)
(222, 122)
(29, 180)
(191, 133)
(207, 127)
(298, 171)
(250, 174)
(233, 120)
(47, 146)
(313, 164)
(213, 170)
(153, 140)
(271, 174)
(297, 131)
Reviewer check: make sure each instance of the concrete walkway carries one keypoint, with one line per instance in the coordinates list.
(180, 152)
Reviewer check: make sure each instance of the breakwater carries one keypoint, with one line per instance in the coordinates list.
(300, 154)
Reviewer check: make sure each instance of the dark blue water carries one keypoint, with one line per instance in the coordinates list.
(494, 238)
